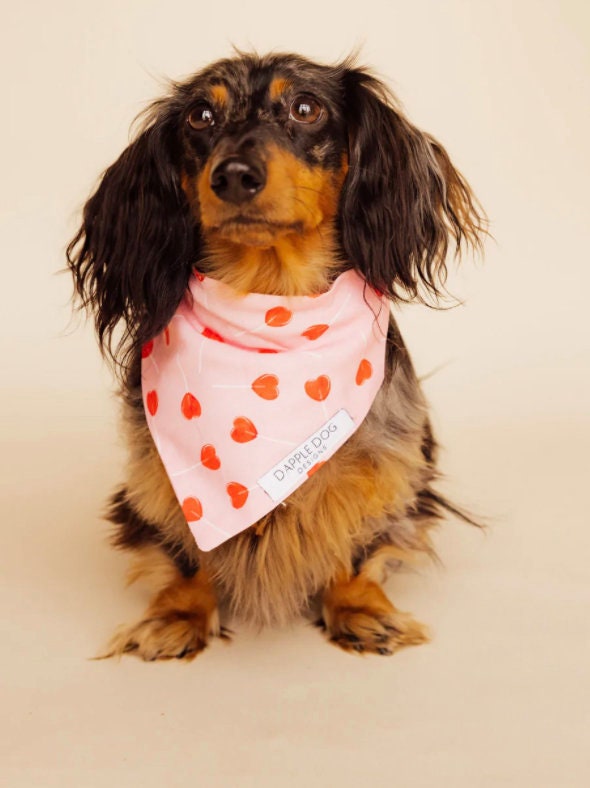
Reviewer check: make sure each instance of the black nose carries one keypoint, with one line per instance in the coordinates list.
(237, 180)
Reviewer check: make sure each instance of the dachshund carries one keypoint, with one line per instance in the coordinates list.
(275, 175)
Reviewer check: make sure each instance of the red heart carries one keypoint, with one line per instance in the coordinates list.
(266, 386)
(364, 372)
(152, 402)
(210, 334)
(278, 316)
(190, 406)
(147, 348)
(319, 388)
(238, 494)
(315, 468)
(315, 332)
(243, 430)
(192, 509)
(209, 457)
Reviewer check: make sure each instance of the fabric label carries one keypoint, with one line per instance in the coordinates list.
(304, 460)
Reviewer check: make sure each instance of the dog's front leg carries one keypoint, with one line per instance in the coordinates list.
(178, 623)
(358, 616)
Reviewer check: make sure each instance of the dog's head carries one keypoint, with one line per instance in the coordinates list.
(274, 174)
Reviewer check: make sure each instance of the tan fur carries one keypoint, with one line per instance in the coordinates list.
(189, 186)
(178, 622)
(376, 567)
(296, 264)
(150, 565)
(219, 94)
(277, 87)
(359, 617)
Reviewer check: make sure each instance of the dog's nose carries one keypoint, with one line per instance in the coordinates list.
(237, 180)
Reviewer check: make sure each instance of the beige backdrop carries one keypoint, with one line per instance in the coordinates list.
(500, 697)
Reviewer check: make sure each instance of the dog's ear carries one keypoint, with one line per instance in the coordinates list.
(402, 200)
(131, 258)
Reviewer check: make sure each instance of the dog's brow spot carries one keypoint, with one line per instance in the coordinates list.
(277, 87)
(219, 94)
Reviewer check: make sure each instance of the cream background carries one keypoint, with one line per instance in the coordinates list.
(500, 697)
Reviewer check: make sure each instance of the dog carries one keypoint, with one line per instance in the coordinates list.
(273, 176)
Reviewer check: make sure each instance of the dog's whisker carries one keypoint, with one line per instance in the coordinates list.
(300, 187)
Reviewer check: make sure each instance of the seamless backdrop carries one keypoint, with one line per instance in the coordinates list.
(500, 697)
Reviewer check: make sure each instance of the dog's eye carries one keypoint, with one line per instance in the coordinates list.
(201, 116)
(306, 109)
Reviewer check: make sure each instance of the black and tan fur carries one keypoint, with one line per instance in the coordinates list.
(358, 187)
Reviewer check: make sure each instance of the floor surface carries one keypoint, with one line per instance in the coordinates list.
(499, 697)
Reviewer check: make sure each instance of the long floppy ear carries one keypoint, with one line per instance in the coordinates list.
(132, 256)
(403, 200)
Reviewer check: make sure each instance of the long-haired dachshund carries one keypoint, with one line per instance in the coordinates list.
(272, 177)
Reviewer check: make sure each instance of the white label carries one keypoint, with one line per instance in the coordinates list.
(302, 462)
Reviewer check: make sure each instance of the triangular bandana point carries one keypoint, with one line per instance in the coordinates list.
(248, 396)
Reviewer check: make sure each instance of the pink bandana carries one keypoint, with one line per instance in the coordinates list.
(247, 395)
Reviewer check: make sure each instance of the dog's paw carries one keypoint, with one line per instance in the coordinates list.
(358, 617)
(368, 631)
(175, 635)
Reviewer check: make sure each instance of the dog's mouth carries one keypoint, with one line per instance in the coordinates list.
(257, 221)
(253, 230)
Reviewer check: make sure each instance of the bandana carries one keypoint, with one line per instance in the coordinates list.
(246, 396)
